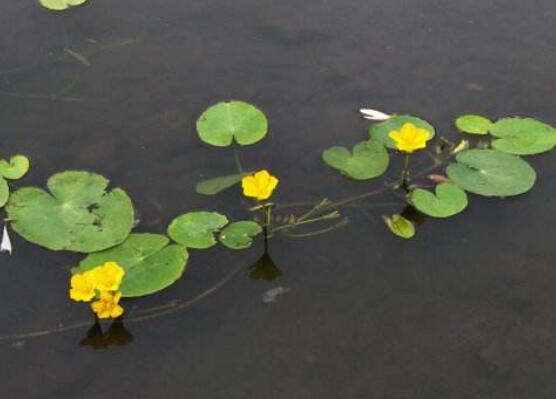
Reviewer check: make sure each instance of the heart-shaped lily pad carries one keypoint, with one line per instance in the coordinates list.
(60, 5)
(15, 168)
(449, 200)
(77, 215)
(196, 229)
(380, 131)
(220, 124)
(239, 235)
(473, 124)
(218, 184)
(491, 173)
(4, 192)
(150, 263)
(367, 160)
(523, 136)
(400, 226)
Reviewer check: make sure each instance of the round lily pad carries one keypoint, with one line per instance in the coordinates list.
(491, 173)
(367, 160)
(196, 229)
(380, 131)
(150, 264)
(77, 215)
(523, 136)
(400, 226)
(16, 168)
(60, 5)
(448, 200)
(220, 124)
(4, 192)
(473, 124)
(239, 235)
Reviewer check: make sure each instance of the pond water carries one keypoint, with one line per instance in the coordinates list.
(464, 310)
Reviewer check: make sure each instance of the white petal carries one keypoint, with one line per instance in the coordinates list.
(374, 115)
(6, 245)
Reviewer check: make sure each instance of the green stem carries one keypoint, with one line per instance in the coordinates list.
(405, 172)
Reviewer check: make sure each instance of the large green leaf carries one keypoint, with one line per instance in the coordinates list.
(220, 124)
(239, 235)
(380, 131)
(15, 168)
(196, 229)
(367, 160)
(150, 263)
(473, 124)
(491, 173)
(400, 226)
(448, 200)
(77, 215)
(218, 184)
(4, 192)
(523, 136)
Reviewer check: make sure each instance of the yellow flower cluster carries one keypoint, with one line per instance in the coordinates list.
(259, 186)
(409, 138)
(103, 283)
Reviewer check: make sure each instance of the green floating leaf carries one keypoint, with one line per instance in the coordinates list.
(16, 168)
(150, 263)
(239, 235)
(473, 124)
(220, 124)
(196, 229)
(491, 173)
(369, 159)
(448, 201)
(400, 226)
(379, 131)
(60, 5)
(523, 136)
(218, 184)
(77, 215)
(4, 192)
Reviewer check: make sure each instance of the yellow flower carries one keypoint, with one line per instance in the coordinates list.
(108, 305)
(260, 185)
(108, 277)
(410, 138)
(82, 287)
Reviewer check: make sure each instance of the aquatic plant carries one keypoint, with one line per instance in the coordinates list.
(78, 211)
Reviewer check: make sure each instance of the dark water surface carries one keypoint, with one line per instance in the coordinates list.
(465, 310)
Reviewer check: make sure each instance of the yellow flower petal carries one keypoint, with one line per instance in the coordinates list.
(259, 186)
(409, 138)
(108, 276)
(108, 305)
(82, 287)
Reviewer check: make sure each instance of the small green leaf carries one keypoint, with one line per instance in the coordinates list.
(473, 124)
(4, 192)
(150, 263)
(491, 173)
(60, 5)
(380, 131)
(218, 184)
(196, 229)
(448, 201)
(77, 215)
(400, 226)
(523, 136)
(220, 124)
(16, 168)
(369, 159)
(239, 235)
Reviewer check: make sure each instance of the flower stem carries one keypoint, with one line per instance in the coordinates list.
(405, 172)
(267, 214)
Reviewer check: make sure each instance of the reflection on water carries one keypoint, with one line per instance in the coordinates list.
(264, 269)
(116, 335)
